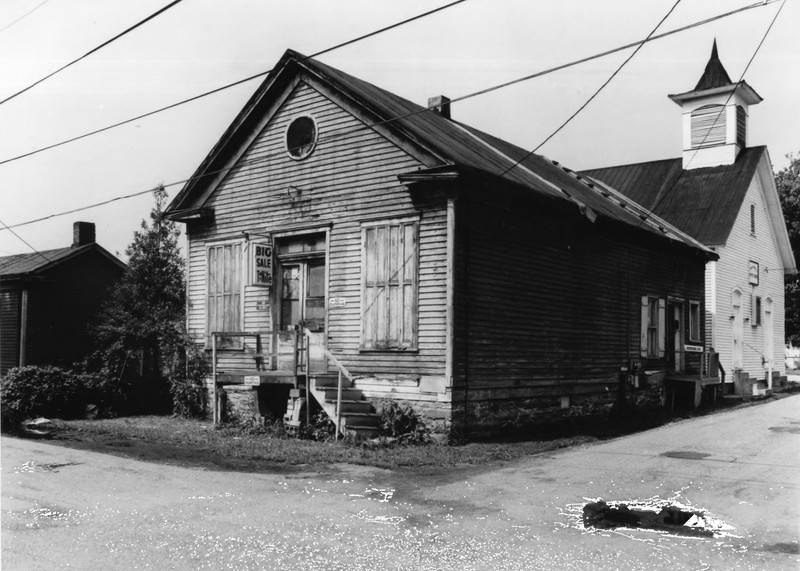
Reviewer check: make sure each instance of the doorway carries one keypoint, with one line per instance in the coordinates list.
(674, 336)
(302, 296)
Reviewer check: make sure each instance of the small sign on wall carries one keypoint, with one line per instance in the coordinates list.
(753, 272)
(693, 348)
(337, 302)
(261, 264)
(252, 380)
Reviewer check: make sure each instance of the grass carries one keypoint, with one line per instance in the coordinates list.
(199, 443)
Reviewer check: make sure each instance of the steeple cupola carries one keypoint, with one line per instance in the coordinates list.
(715, 116)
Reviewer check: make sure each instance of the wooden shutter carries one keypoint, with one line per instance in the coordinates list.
(645, 318)
(662, 328)
(389, 292)
(224, 299)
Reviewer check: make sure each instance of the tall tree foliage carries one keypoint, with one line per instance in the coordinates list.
(788, 182)
(142, 323)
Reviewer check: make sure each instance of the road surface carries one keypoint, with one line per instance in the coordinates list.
(70, 509)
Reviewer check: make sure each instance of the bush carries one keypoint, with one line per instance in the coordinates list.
(186, 370)
(47, 391)
(401, 422)
(321, 429)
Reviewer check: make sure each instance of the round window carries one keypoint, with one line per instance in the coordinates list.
(301, 137)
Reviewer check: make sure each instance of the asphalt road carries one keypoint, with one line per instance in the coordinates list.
(70, 509)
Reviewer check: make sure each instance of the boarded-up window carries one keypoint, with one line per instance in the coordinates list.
(708, 126)
(224, 302)
(389, 292)
(653, 340)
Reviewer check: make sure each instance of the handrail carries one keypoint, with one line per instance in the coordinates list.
(342, 372)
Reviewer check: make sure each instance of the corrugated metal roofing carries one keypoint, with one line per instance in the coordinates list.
(29, 263)
(456, 144)
(37, 262)
(703, 203)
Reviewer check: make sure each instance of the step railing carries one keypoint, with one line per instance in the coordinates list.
(342, 374)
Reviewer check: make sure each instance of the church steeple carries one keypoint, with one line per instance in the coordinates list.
(715, 116)
(714, 74)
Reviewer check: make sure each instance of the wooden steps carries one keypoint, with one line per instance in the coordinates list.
(358, 417)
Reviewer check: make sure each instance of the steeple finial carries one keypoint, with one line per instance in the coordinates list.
(714, 74)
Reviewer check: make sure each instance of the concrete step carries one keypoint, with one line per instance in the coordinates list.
(352, 405)
(362, 432)
(361, 419)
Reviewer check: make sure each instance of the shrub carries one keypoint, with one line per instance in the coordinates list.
(47, 391)
(186, 369)
(401, 422)
(321, 428)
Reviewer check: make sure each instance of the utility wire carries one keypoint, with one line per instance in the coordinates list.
(730, 95)
(25, 15)
(90, 52)
(494, 88)
(224, 87)
(596, 93)
(24, 241)
(358, 130)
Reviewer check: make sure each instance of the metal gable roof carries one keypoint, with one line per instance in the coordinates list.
(32, 262)
(703, 203)
(454, 144)
(38, 262)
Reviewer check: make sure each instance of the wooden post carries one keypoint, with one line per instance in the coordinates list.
(307, 342)
(339, 406)
(215, 409)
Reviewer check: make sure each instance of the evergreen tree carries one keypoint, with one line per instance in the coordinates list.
(788, 182)
(141, 325)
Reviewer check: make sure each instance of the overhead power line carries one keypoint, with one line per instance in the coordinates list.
(351, 132)
(596, 93)
(224, 87)
(90, 52)
(25, 15)
(21, 239)
(494, 88)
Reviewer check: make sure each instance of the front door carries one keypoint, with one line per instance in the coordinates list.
(674, 336)
(303, 304)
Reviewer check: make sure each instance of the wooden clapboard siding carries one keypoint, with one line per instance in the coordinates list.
(549, 300)
(343, 182)
(732, 272)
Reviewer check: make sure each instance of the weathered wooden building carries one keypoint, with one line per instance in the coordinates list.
(436, 264)
(48, 299)
(723, 193)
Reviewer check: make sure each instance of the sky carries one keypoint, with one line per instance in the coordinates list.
(200, 45)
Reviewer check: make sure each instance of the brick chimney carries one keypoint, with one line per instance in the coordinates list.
(441, 105)
(82, 234)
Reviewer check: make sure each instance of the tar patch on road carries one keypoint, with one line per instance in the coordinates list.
(686, 454)
(792, 428)
(790, 548)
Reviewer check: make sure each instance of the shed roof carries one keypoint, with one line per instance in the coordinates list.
(453, 143)
(703, 202)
